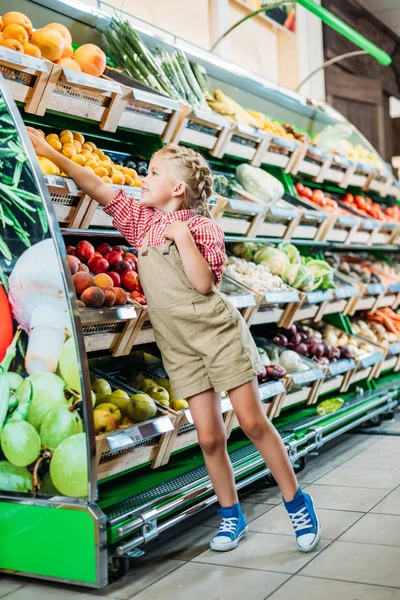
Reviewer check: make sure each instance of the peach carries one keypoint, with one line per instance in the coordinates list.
(50, 42)
(82, 281)
(16, 32)
(61, 29)
(83, 268)
(103, 248)
(130, 280)
(69, 63)
(115, 278)
(110, 296)
(84, 250)
(68, 52)
(91, 58)
(121, 296)
(70, 250)
(102, 280)
(74, 263)
(80, 304)
(93, 296)
(17, 18)
(12, 45)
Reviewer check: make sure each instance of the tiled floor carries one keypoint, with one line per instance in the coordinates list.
(356, 486)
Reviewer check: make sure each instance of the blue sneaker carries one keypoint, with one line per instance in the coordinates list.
(305, 521)
(232, 529)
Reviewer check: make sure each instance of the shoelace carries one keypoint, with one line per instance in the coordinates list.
(301, 519)
(228, 525)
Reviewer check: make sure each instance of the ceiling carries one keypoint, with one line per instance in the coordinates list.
(387, 11)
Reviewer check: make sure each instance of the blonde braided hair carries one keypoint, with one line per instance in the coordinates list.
(192, 168)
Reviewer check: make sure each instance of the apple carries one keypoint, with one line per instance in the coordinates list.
(133, 258)
(118, 249)
(121, 267)
(160, 394)
(115, 277)
(103, 248)
(97, 254)
(104, 422)
(98, 264)
(130, 262)
(113, 256)
(111, 408)
(84, 251)
(130, 280)
(141, 300)
(71, 250)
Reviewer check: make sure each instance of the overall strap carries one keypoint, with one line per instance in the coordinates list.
(167, 245)
(145, 244)
(170, 243)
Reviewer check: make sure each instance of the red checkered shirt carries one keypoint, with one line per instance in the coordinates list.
(134, 220)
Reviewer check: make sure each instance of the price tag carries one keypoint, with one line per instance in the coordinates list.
(346, 291)
(225, 405)
(312, 215)
(270, 389)
(342, 366)
(372, 359)
(22, 59)
(283, 211)
(394, 348)
(394, 287)
(348, 221)
(90, 81)
(135, 435)
(364, 168)
(283, 297)
(341, 161)
(374, 289)
(119, 440)
(369, 224)
(314, 151)
(307, 376)
(242, 301)
(246, 207)
(56, 181)
(248, 130)
(284, 143)
(319, 296)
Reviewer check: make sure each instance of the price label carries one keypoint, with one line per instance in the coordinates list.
(314, 151)
(248, 130)
(342, 366)
(311, 215)
(369, 224)
(346, 291)
(242, 301)
(226, 405)
(394, 287)
(135, 435)
(22, 59)
(283, 297)
(283, 211)
(319, 296)
(307, 376)
(394, 348)
(56, 181)
(372, 359)
(348, 221)
(246, 207)
(365, 168)
(270, 389)
(119, 440)
(284, 143)
(90, 81)
(341, 161)
(374, 289)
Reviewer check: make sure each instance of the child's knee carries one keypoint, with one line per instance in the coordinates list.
(211, 442)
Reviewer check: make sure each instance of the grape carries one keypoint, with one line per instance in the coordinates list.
(68, 365)
(68, 467)
(48, 393)
(14, 380)
(14, 479)
(20, 443)
(59, 425)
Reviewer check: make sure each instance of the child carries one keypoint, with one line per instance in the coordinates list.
(206, 346)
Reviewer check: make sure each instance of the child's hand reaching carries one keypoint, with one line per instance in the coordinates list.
(42, 148)
(176, 230)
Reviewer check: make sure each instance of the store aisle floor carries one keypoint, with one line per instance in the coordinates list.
(356, 485)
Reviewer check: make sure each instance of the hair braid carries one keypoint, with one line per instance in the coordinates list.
(194, 171)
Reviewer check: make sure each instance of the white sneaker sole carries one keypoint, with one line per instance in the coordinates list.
(318, 534)
(230, 545)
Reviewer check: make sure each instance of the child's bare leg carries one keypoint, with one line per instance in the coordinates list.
(206, 412)
(246, 403)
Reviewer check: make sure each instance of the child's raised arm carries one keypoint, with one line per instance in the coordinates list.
(89, 182)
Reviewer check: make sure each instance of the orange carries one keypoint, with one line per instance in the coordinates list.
(69, 63)
(138, 183)
(16, 32)
(91, 59)
(79, 137)
(61, 29)
(12, 44)
(92, 163)
(101, 171)
(66, 139)
(118, 178)
(79, 159)
(50, 42)
(129, 180)
(69, 150)
(78, 146)
(107, 179)
(55, 144)
(32, 50)
(17, 18)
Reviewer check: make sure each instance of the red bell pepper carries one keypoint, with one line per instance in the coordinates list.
(6, 324)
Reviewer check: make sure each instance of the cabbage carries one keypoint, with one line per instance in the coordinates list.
(245, 250)
(276, 260)
(323, 274)
(261, 184)
(299, 277)
(291, 252)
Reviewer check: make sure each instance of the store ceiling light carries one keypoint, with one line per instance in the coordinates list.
(329, 19)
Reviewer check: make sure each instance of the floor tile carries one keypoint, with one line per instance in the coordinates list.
(6, 587)
(375, 529)
(345, 498)
(389, 505)
(143, 572)
(375, 460)
(261, 494)
(361, 477)
(309, 588)
(362, 563)
(251, 510)
(265, 552)
(50, 592)
(197, 581)
(334, 522)
(183, 543)
(315, 471)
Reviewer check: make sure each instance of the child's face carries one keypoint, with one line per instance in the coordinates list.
(160, 188)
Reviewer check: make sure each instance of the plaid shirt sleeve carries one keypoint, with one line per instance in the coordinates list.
(210, 240)
(129, 216)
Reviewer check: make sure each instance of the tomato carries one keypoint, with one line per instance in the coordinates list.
(299, 187)
(349, 198)
(324, 201)
(307, 192)
(360, 202)
(368, 201)
(6, 324)
(317, 196)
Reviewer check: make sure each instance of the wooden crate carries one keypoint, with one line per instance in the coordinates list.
(69, 202)
(312, 161)
(281, 152)
(26, 77)
(77, 94)
(204, 129)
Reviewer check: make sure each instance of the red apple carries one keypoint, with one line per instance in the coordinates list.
(113, 256)
(98, 265)
(118, 249)
(129, 280)
(71, 250)
(121, 267)
(115, 277)
(84, 251)
(103, 248)
(97, 254)
(130, 262)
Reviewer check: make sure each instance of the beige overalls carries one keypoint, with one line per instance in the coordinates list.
(203, 339)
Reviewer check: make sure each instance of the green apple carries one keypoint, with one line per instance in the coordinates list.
(160, 394)
(101, 388)
(120, 399)
(112, 409)
(104, 422)
(142, 408)
(145, 384)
